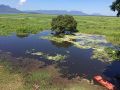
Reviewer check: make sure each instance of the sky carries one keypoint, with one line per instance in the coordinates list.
(87, 6)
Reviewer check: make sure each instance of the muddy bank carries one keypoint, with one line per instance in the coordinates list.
(37, 75)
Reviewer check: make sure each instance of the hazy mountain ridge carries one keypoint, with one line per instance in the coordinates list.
(5, 9)
(58, 12)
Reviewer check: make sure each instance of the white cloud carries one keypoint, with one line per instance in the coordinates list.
(21, 2)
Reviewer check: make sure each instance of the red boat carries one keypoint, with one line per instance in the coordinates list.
(105, 83)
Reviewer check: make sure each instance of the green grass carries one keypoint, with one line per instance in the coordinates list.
(33, 23)
(38, 79)
(23, 23)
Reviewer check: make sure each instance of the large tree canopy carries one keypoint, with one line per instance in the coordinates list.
(63, 23)
(116, 7)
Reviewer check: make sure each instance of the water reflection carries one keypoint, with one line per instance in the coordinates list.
(23, 35)
(64, 44)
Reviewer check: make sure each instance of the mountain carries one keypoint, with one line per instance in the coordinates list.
(57, 12)
(4, 9)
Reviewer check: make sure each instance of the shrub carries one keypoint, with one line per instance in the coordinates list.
(64, 24)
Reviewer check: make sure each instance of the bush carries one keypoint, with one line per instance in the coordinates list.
(64, 24)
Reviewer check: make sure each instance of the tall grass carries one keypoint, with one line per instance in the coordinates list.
(23, 23)
(108, 26)
(33, 23)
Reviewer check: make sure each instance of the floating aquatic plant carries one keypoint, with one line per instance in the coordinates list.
(113, 53)
(84, 41)
(57, 57)
(100, 54)
(38, 53)
(106, 54)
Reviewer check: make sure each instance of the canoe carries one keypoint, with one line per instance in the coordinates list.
(105, 83)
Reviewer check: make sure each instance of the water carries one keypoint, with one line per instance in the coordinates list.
(78, 62)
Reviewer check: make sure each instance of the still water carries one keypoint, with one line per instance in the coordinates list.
(79, 61)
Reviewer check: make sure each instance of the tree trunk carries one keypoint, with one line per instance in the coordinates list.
(118, 14)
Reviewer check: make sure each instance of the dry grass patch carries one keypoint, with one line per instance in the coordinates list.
(10, 81)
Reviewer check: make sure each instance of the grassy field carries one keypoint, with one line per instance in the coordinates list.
(23, 23)
(108, 26)
(31, 23)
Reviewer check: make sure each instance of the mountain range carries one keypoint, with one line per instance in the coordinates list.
(5, 9)
(57, 12)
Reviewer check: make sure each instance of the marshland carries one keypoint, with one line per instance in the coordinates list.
(31, 58)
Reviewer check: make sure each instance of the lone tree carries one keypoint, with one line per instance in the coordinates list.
(116, 7)
(63, 24)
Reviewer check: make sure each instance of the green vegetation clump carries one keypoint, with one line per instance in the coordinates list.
(57, 57)
(113, 53)
(100, 54)
(107, 54)
(63, 23)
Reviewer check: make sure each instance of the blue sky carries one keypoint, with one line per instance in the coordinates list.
(87, 6)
